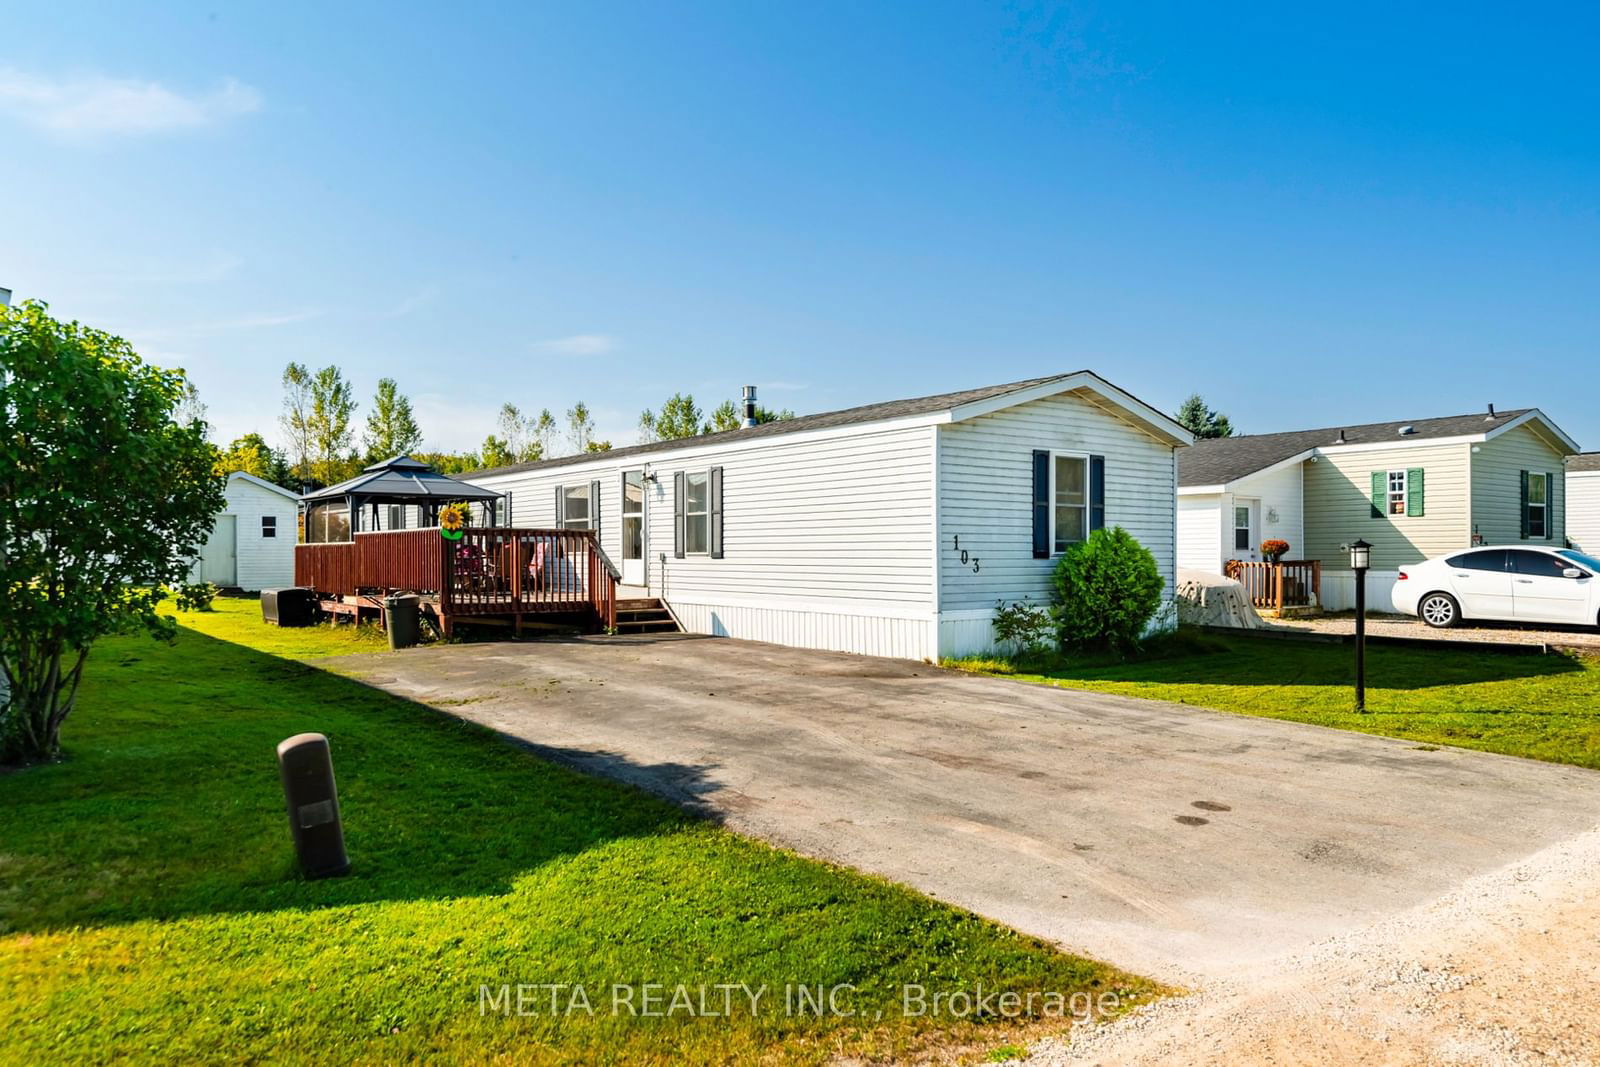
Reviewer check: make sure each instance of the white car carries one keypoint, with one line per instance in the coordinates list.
(1514, 584)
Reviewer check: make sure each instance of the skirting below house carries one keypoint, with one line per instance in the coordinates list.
(1339, 590)
(902, 636)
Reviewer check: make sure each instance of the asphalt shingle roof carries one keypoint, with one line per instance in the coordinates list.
(1224, 459)
(1584, 461)
(893, 409)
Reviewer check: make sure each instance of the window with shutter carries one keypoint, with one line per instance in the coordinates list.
(1414, 498)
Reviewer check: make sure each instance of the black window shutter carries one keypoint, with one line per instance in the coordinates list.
(1041, 504)
(716, 513)
(677, 515)
(561, 509)
(1525, 523)
(1097, 493)
(594, 509)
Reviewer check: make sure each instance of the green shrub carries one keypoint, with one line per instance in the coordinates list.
(1024, 628)
(1108, 588)
(195, 596)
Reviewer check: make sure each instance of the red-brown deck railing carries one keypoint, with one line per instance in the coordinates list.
(489, 571)
(1295, 583)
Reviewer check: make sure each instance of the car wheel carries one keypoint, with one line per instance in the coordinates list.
(1439, 610)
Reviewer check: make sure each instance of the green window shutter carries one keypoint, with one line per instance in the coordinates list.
(1524, 505)
(1414, 492)
(1380, 493)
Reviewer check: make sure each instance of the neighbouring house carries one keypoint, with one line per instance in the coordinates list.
(1413, 489)
(1583, 502)
(891, 529)
(252, 542)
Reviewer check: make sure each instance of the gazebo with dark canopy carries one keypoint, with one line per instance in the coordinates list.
(360, 504)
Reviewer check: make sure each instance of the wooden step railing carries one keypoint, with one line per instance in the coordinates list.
(1293, 583)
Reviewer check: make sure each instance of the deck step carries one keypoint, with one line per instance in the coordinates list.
(644, 616)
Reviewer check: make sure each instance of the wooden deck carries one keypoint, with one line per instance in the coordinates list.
(497, 572)
(1277, 588)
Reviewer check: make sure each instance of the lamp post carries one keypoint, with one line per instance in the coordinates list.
(1360, 559)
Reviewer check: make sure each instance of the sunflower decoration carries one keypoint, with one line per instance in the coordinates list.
(452, 520)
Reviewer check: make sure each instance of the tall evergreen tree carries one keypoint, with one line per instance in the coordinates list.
(1202, 421)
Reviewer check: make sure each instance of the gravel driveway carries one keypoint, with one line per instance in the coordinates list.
(1583, 637)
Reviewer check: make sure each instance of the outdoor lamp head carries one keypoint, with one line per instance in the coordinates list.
(1360, 555)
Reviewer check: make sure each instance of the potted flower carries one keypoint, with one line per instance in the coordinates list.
(1274, 549)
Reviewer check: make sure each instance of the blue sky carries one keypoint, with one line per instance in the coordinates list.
(1311, 220)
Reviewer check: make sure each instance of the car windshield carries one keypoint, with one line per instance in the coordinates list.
(1579, 558)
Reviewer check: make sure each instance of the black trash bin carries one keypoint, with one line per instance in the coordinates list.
(402, 618)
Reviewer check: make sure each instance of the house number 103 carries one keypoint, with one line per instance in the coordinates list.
(966, 557)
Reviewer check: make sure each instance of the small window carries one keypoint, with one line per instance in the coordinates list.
(269, 526)
(396, 517)
(1241, 529)
(697, 513)
(1070, 499)
(1397, 492)
(1538, 505)
(575, 511)
(1492, 559)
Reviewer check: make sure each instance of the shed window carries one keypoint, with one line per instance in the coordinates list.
(269, 526)
(1397, 492)
(1538, 505)
(576, 513)
(1069, 496)
(697, 513)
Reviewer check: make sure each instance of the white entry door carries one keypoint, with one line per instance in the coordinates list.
(633, 528)
(1243, 539)
(219, 562)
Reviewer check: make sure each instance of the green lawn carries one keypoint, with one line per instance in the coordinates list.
(1542, 707)
(150, 910)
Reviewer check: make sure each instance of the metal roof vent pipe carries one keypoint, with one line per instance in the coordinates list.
(1407, 431)
(749, 407)
(1340, 439)
(1491, 416)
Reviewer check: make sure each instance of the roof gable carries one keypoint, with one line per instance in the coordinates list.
(262, 483)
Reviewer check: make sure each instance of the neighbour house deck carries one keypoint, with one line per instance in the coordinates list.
(1287, 587)
(494, 573)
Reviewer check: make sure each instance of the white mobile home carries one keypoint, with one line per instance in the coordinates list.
(891, 529)
(252, 543)
(1583, 502)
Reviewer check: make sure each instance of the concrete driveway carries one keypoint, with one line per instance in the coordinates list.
(1181, 843)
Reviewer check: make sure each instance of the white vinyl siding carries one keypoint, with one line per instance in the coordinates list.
(261, 562)
(986, 492)
(827, 538)
(1583, 510)
(1200, 542)
(1497, 469)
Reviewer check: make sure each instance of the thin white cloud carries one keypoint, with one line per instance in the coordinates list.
(580, 344)
(89, 106)
(263, 321)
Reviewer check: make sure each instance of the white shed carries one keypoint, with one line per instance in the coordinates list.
(251, 546)
(1583, 502)
(891, 529)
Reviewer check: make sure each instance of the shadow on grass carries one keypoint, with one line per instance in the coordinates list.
(1269, 662)
(168, 804)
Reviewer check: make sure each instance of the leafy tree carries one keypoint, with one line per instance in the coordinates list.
(105, 497)
(333, 404)
(1108, 588)
(544, 431)
(519, 435)
(253, 455)
(391, 427)
(598, 446)
(580, 427)
(1202, 421)
(296, 418)
(647, 427)
(451, 462)
(725, 417)
(769, 415)
(679, 418)
(190, 409)
(496, 452)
